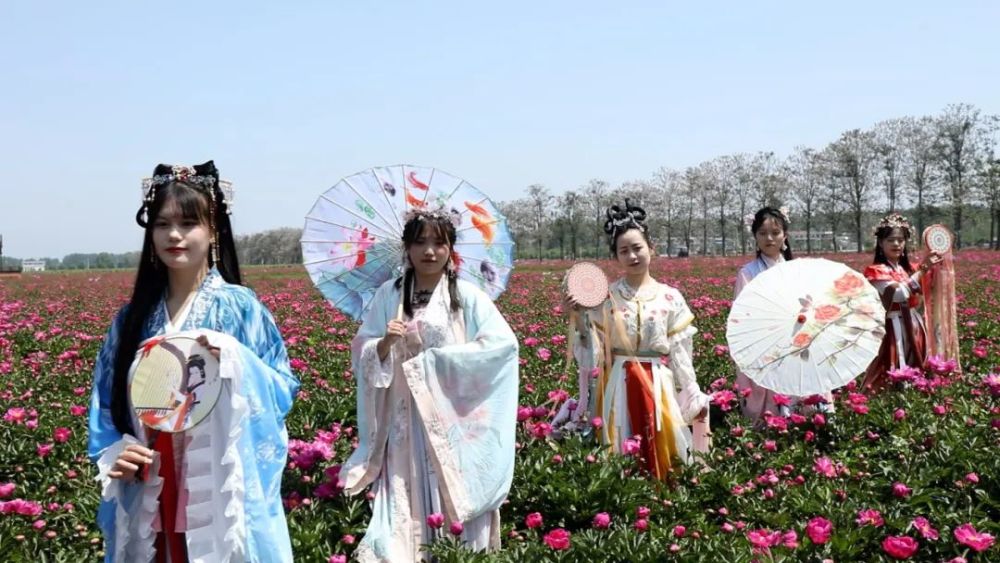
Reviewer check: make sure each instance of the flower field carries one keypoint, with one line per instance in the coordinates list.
(912, 474)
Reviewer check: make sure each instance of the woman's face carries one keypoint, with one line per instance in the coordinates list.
(894, 244)
(430, 252)
(632, 252)
(770, 238)
(180, 242)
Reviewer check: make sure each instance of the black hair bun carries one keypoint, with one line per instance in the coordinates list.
(623, 218)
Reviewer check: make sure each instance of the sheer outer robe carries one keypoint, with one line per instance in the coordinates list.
(663, 327)
(233, 460)
(465, 394)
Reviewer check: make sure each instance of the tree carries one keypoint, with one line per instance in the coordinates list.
(668, 183)
(918, 142)
(889, 148)
(831, 200)
(596, 192)
(540, 199)
(720, 179)
(806, 171)
(959, 134)
(853, 159)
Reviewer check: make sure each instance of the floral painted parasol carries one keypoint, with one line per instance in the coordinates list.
(805, 327)
(352, 240)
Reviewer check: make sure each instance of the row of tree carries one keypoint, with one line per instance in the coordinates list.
(278, 246)
(936, 168)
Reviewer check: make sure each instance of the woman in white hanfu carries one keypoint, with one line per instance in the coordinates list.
(437, 371)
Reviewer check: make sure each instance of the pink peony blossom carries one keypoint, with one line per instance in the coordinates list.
(819, 530)
(900, 547)
(969, 537)
(824, 466)
(602, 520)
(558, 539)
(533, 520)
(456, 528)
(870, 517)
(899, 490)
(923, 526)
(435, 520)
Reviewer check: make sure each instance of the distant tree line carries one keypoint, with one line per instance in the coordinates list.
(943, 168)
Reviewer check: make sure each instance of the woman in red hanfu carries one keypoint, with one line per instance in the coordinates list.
(898, 281)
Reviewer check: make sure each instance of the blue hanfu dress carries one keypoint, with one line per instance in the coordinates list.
(230, 465)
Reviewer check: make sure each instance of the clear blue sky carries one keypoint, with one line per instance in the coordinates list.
(287, 97)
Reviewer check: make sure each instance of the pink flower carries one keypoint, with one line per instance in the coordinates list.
(790, 539)
(641, 525)
(972, 478)
(819, 419)
(870, 517)
(824, 466)
(456, 528)
(15, 415)
(642, 512)
(524, 413)
(899, 490)
(763, 539)
(61, 434)
(44, 449)
(782, 400)
(819, 530)
(77, 410)
(899, 414)
(724, 399)
(558, 395)
(778, 423)
(770, 446)
(602, 520)
(337, 559)
(435, 520)
(631, 446)
(347, 539)
(597, 422)
(6, 489)
(900, 547)
(544, 354)
(679, 531)
(558, 539)
(923, 526)
(969, 537)
(541, 430)
(533, 520)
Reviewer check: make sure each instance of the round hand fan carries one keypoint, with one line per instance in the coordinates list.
(174, 383)
(586, 283)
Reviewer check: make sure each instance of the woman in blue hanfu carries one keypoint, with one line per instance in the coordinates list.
(437, 371)
(213, 491)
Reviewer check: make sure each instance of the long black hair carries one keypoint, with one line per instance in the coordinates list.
(151, 280)
(883, 233)
(621, 219)
(765, 213)
(442, 224)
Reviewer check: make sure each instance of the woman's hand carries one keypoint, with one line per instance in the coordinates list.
(129, 460)
(394, 331)
(701, 416)
(933, 259)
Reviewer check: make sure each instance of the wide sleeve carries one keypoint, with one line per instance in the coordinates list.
(104, 441)
(274, 379)
(743, 278)
(364, 348)
(588, 352)
(466, 394)
(680, 335)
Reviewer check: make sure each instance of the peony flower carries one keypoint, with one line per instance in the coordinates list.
(819, 530)
(558, 539)
(827, 313)
(642, 512)
(6, 489)
(923, 526)
(631, 446)
(337, 559)
(824, 466)
(969, 537)
(44, 449)
(641, 525)
(533, 520)
(679, 531)
(602, 520)
(456, 528)
(435, 520)
(870, 517)
(900, 547)
(899, 490)
(61, 434)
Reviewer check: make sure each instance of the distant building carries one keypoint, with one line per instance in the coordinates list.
(821, 241)
(33, 265)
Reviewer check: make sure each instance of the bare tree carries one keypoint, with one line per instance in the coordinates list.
(919, 150)
(540, 199)
(853, 160)
(807, 172)
(959, 134)
(669, 184)
(596, 192)
(720, 178)
(888, 145)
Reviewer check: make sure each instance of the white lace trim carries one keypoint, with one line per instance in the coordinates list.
(140, 525)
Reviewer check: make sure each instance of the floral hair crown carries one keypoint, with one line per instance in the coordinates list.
(624, 218)
(188, 175)
(893, 221)
(439, 214)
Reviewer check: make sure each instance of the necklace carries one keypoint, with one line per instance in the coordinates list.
(421, 297)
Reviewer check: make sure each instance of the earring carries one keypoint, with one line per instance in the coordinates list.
(215, 251)
(784, 246)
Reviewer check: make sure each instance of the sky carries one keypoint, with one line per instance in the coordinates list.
(289, 97)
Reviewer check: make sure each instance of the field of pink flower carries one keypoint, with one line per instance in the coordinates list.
(910, 474)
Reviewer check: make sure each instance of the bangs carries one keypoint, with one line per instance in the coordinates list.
(191, 202)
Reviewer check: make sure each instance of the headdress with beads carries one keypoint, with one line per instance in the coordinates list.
(894, 221)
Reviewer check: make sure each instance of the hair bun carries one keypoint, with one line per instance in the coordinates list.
(620, 219)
